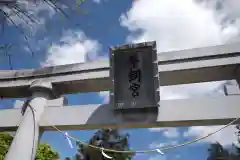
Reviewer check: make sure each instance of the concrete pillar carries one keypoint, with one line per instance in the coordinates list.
(26, 139)
(237, 74)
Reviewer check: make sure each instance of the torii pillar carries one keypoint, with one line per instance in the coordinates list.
(25, 142)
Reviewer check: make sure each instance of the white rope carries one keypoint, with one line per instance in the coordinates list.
(159, 150)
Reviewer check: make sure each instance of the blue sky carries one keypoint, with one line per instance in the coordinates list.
(99, 24)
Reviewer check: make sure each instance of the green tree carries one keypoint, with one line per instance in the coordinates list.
(218, 152)
(5, 141)
(106, 138)
(44, 150)
(236, 153)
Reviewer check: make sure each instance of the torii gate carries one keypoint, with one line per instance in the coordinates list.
(177, 67)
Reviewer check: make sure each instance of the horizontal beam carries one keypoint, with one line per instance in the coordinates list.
(189, 112)
(178, 67)
(197, 54)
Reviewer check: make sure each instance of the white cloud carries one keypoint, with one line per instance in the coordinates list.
(105, 96)
(97, 1)
(74, 47)
(171, 133)
(155, 145)
(224, 137)
(192, 90)
(229, 8)
(167, 132)
(175, 26)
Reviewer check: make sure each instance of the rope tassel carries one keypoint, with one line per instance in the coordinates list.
(69, 141)
(105, 155)
(159, 151)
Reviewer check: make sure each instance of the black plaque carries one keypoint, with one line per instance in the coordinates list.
(134, 76)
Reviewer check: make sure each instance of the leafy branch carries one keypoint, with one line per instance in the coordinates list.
(12, 9)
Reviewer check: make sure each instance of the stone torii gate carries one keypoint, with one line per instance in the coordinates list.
(44, 87)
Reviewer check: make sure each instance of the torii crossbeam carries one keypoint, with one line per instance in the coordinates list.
(179, 67)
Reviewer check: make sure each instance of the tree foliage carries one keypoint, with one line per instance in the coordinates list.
(106, 138)
(44, 150)
(218, 152)
(19, 13)
(12, 9)
(5, 141)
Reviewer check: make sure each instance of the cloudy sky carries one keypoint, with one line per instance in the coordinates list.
(98, 24)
